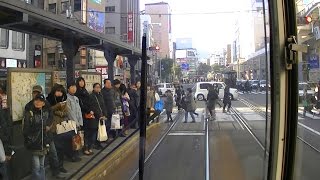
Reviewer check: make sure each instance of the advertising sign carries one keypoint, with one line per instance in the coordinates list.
(84, 11)
(183, 43)
(95, 15)
(181, 53)
(102, 69)
(185, 66)
(130, 27)
(313, 61)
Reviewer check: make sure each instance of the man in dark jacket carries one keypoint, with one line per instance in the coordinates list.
(5, 137)
(108, 97)
(53, 157)
(36, 126)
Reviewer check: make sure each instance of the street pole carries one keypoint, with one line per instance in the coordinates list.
(160, 70)
(143, 107)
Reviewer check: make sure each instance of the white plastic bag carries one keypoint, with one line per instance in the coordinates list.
(115, 121)
(2, 153)
(66, 126)
(102, 131)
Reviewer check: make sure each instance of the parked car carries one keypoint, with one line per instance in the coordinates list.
(201, 90)
(163, 87)
(255, 84)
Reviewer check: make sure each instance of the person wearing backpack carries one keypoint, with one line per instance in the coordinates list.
(36, 126)
(211, 102)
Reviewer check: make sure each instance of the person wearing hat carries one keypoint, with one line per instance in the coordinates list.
(37, 121)
(53, 156)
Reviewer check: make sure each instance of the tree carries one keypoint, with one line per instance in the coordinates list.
(166, 68)
(203, 69)
(217, 68)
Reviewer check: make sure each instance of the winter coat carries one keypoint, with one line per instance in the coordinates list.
(74, 110)
(5, 134)
(35, 122)
(212, 98)
(108, 97)
(168, 103)
(150, 99)
(84, 100)
(98, 107)
(133, 102)
(190, 103)
(227, 97)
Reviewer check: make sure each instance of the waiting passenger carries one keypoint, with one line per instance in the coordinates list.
(37, 123)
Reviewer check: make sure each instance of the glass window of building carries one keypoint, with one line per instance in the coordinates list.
(4, 38)
(53, 8)
(110, 30)
(51, 59)
(64, 7)
(18, 41)
(110, 9)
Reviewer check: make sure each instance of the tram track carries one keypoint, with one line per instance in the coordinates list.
(253, 106)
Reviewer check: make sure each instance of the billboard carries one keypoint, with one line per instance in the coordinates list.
(96, 16)
(181, 54)
(183, 43)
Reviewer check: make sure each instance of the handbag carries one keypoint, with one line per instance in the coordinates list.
(66, 126)
(115, 121)
(2, 153)
(76, 142)
(102, 131)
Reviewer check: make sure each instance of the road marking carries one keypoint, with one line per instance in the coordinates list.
(186, 134)
(309, 128)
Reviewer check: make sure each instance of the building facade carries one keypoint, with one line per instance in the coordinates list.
(13, 51)
(161, 20)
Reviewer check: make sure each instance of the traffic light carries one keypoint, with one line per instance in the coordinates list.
(308, 19)
(154, 48)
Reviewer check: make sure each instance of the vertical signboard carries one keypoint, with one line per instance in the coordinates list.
(37, 56)
(84, 11)
(130, 27)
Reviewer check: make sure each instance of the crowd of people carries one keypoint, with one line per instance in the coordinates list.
(52, 124)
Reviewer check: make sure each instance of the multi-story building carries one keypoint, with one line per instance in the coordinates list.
(161, 20)
(218, 58)
(123, 21)
(13, 51)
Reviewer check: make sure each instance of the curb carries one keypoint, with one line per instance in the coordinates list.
(111, 162)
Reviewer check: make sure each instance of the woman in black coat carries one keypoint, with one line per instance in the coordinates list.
(87, 113)
(99, 111)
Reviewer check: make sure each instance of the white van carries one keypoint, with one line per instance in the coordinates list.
(201, 90)
(163, 87)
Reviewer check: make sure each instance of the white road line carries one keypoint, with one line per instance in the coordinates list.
(309, 128)
(186, 134)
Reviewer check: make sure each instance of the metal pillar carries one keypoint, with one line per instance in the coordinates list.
(70, 49)
(110, 56)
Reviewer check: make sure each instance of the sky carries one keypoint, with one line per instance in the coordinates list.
(210, 32)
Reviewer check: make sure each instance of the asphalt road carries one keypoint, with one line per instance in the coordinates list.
(234, 153)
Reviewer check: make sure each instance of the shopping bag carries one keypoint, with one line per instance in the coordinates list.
(76, 142)
(81, 134)
(159, 105)
(115, 121)
(102, 132)
(66, 126)
(2, 153)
